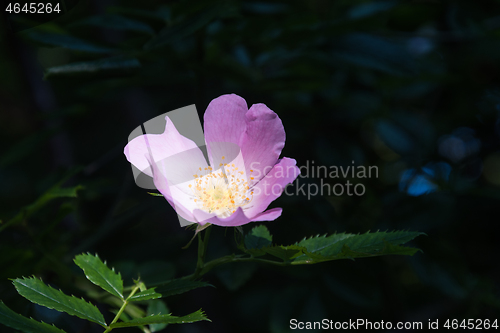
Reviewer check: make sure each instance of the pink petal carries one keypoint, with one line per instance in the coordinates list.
(224, 121)
(237, 218)
(161, 183)
(257, 132)
(172, 160)
(272, 185)
(268, 215)
(157, 146)
(262, 142)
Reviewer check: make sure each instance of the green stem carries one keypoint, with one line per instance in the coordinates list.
(229, 259)
(202, 252)
(124, 305)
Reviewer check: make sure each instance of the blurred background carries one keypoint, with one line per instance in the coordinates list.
(410, 87)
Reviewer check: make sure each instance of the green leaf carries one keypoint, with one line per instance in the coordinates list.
(319, 243)
(387, 249)
(173, 287)
(157, 307)
(285, 252)
(348, 246)
(155, 194)
(16, 321)
(38, 292)
(163, 319)
(185, 28)
(98, 273)
(68, 42)
(258, 238)
(108, 66)
(146, 295)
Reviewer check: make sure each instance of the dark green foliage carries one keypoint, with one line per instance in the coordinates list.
(11, 319)
(98, 273)
(258, 238)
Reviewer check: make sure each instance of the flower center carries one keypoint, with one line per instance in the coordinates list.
(221, 192)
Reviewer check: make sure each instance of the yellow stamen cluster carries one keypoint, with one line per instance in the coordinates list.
(221, 192)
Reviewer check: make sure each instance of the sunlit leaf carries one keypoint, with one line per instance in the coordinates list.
(347, 246)
(98, 273)
(38, 292)
(155, 194)
(163, 319)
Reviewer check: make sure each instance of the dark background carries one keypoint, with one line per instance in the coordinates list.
(408, 86)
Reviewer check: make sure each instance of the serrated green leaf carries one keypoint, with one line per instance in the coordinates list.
(319, 243)
(157, 307)
(16, 321)
(372, 242)
(285, 252)
(388, 249)
(258, 238)
(342, 246)
(107, 66)
(146, 295)
(173, 287)
(38, 292)
(98, 273)
(69, 42)
(163, 319)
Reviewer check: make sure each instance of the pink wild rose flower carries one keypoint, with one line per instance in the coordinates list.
(243, 175)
